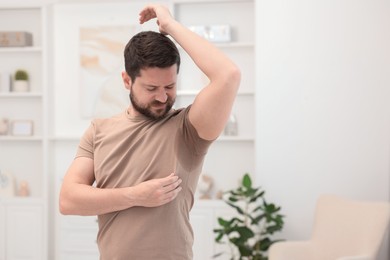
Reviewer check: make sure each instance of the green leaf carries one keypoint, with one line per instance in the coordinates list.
(245, 234)
(257, 219)
(246, 181)
(250, 192)
(245, 251)
(242, 232)
(223, 222)
(239, 210)
(219, 237)
(218, 254)
(265, 244)
(259, 195)
(233, 199)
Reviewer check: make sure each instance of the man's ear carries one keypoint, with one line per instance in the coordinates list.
(126, 80)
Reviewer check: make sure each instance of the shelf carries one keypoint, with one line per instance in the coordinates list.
(234, 44)
(235, 138)
(20, 49)
(228, 45)
(65, 138)
(20, 95)
(222, 138)
(20, 4)
(21, 138)
(209, 203)
(195, 92)
(21, 200)
(209, 1)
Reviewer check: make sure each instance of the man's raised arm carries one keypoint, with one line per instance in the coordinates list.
(212, 106)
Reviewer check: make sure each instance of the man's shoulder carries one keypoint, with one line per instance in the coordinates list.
(101, 121)
(179, 112)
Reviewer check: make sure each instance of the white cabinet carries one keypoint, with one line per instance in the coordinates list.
(202, 225)
(2, 232)
(204, 219)
(22, 227)
(75, 235)
(228, 158)
(78, 238)
(23, 146)
(24, 141)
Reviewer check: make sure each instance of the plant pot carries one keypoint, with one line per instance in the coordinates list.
(20, 86)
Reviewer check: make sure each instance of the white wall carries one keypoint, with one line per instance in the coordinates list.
(323, 103)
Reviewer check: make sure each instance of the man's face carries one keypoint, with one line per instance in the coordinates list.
(153, 93)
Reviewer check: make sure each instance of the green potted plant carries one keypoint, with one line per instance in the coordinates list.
(21, 81)
(248, 234)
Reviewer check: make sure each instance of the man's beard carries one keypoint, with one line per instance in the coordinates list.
(147, 109)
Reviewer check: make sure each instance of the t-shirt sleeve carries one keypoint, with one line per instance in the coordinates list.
(191, 136)
(86, 145)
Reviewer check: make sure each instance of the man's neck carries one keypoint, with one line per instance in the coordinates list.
(132, 112)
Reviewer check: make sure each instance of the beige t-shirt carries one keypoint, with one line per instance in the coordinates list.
(129, 150)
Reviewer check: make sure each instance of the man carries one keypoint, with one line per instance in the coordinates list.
(146, 161)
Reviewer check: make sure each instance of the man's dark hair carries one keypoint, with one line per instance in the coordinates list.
(150, 49)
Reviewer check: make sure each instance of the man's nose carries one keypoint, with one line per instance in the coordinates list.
(162, 96)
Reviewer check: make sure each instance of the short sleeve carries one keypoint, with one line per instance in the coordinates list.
(191, 137)
(86, 145)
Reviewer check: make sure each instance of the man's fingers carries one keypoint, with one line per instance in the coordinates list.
(147, 14)
(172, 186)
(168, 197)
(169, 180)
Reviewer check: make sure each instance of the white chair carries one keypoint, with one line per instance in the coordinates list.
(343, 230)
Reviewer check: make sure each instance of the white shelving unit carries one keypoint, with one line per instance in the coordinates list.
(230, 156)
(23, 220)
(225, 157)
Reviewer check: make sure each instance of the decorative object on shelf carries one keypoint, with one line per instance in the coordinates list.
(7, 184)
(5, 81)
(22, 127)
(219, 33)
(205, 185)
(16, 39)
(231, 127)
(20, 82)
(24, 190)
(249, 234)
(201, 30)
(219, 195)
(213, 33)
(4, 126)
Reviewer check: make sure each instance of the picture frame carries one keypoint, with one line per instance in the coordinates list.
(22, 128)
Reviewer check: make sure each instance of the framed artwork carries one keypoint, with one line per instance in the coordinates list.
(101, 64)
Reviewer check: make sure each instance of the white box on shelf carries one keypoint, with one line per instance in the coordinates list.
(200, 30)
(15, 39)
(213, 33)
(219, 33)
(22, 127)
